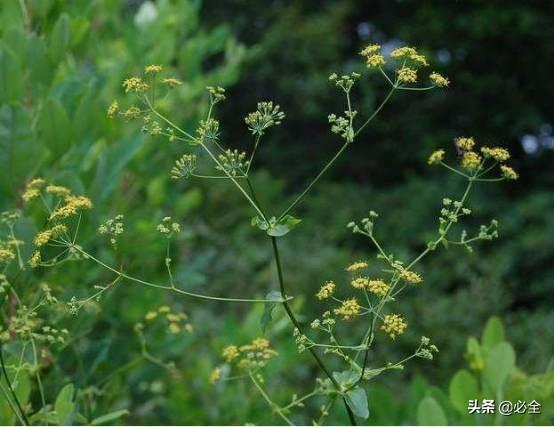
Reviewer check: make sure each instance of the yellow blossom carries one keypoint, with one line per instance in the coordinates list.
(113, 109)
(36, 183)
(35, 259)
(360, 283)
(135, 84)
(327, 290)
(174, 328)
(420, 59)
(152, 69)
(403, 52)
(407, 75)
(164, 309)
(131, 113)
(348, 309)
(30, 193)
(151, 315)
(509, 173)
(370, 49)
(436, 157)
(6, 255)
(394, 325)
(439, 80)
(230, 353)
(215, 375)
(58, 190)
(375, 61)
(471, 160)
(356, 266)
(465, 143)
(497, 153)
(74, 204)
(410, 276)
(378, 287)
(171, 82)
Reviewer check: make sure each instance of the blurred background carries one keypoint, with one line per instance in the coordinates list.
(62, 63)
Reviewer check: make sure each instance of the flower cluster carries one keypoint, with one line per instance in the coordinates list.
(394, 325)
(348, 309)
(266, 116)
(233, 162)
(112, 228)
(249, 356)
(168, 228)
(326, 290)
(173, 322)
(184, 166)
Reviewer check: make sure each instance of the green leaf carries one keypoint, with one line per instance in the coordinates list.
(474, 354)
(260, 223)
(105, 419)
(54, 127)
(11, 76)
(493, 333)
(346, 378)
(283, 226)
(64, 405)
(463, 387)
(59, 39)
(430, 413)
(357, 401)
(499, 365)
(269, 307)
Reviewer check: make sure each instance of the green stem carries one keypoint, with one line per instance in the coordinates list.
(294, 321)
(10, 388)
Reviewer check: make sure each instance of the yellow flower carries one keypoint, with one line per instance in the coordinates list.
(152, 69)
(497, 153)
(131, 113)
(410, 276)
(151, 315)
(471, 160)
(6, 255)
(465, 143)
(135, 84)
(58, 190)
(164, 309)
(36, 183)
(375, 61)
(74, 204)
(230, 353)
(436, 157)
(327, 290)
(370, 50)
(113, 109)
(394, 325)
(359, 283)
(171, 82)
(509, 173)
(174, 328)
(439, 80)
(348, 309)
(407, 75)
(30, 193)
(215, 375)
(35, 259)
(378, 287)
(356, 266)
(403, 52)
(420, 59)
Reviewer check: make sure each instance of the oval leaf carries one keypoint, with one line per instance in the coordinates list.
(430, 413)
(357, 401)
(463, 387)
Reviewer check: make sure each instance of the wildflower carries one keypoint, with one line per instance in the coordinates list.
(326, 291)
(410, 276)
(135, 84)
(497, 153)
(378, 287)
(44, 236)
(113, 109)
(58, 190)
(174, 328)
(465, 144)
(230, 353)
(6, 255)
(265, 116)
(74, 204)
(260, 343)
(509, 173)
(394, 325)
(184, 167)
(131, 113)
(232, 162)
(370, 49)
(30, 193)
(436, 157)
(217, 94)
(356, 266)
(152, 69)
(151, 315)
(419, 59)
(36, 183)
(439, 80)
(171, 82)
(215, 375)
(471, 160)
(407, 75)
(403, 52)
(348, 309)
(375, 61)
(164, 309)
(360, 283)
(35, 259)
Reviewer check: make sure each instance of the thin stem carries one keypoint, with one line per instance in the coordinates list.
(10, 388)
(297, 326)
(270, 402)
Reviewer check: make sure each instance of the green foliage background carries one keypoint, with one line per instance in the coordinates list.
(61, 64)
